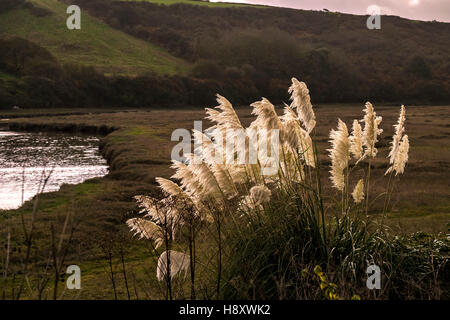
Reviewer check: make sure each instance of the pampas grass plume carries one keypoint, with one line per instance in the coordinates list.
(339, 154)
(179, 262)
(358, 192)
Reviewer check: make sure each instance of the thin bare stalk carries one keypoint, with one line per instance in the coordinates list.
(387, 194)
(29, 234)
(111, 273)
(368, 186)
(122, 257)
(192, 260)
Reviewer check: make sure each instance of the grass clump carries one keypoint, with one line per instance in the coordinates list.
(275, 232)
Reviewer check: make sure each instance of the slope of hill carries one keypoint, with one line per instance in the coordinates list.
(194, 2)
(197, 49)
(335, 53)
(109, 50)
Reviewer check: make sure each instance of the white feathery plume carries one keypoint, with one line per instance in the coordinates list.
(339, 154)
(358, 192)
(266, 116)
(178, 262)
(226, 118)
(213, 154)
(399, 130)
(291, 125)
(302, 101)
(237, 173)
(371, 130)
(170, 187)
(296, 137)
(226, 123)
(208, 150)
(176, 192)
(264, 128)
(187, 178)
(161, 212)
(203, 175)
(146, 229)
(224, 179)
(147, 205)
(192, 178)
(356, 139)
(401, 158)
(258, 196)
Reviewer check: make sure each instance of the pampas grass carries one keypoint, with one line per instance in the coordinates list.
(171, 263)
(261, 229)
(257, 197)
(398, 155)
(339, 154)
(356, 139)
(399, 130)
(371, 130)
(296, 137)
(401, 157)
(302, 102)
(358, 192)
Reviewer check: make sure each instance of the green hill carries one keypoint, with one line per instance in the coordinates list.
(109, 50)
(406, 61)
(193, 2)
(195, 49)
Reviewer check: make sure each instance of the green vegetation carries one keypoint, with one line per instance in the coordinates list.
(110, 51)
(405, 61)
(194, 2)
(138, 151)
(195, 51)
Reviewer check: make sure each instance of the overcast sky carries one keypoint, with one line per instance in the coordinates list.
(412, 9)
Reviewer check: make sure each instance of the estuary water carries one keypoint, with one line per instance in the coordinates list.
(27, 159)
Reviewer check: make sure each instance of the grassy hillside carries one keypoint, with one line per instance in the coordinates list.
(243, 52)
(193, 2)
(109, 50)
(404, 62)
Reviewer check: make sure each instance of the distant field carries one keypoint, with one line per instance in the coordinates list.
(26, 113)
(96, 44)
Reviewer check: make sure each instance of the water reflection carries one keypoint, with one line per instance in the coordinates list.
(72, 159)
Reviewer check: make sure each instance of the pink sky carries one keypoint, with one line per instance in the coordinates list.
(412, 9)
